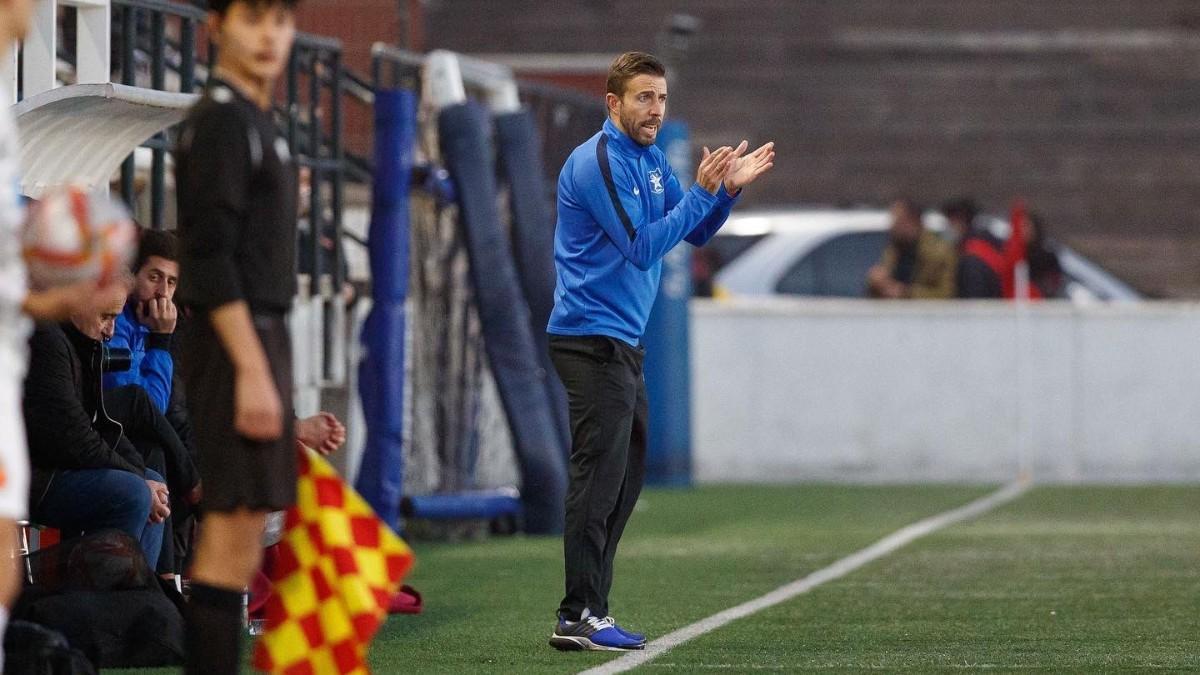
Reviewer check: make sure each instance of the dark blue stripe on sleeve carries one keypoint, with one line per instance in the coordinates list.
(606, 171)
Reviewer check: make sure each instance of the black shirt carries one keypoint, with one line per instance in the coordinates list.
(975, 278)
(906, 263)
(236, 190)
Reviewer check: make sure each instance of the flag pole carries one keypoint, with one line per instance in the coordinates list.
(1024, 343)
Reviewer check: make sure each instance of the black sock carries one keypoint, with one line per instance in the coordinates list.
(214, 631)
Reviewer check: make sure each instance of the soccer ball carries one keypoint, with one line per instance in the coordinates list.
(73, 236)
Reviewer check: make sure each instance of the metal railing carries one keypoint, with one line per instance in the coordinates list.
(314, 132)
(565, 119)
(141, 29)
(162, 45)
(563, 116)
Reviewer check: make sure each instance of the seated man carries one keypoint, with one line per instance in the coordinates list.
(916, 263)
(147, 322)
(160, 447)
(86, 475)
(145, 327)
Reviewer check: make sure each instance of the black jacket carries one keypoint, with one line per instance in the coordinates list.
(975, 277)
(177, 413)
(62, 393)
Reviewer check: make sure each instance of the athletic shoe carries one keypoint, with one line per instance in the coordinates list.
(636, 637)
(592, 634)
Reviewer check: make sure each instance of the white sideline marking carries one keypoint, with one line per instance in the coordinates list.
(840, 568)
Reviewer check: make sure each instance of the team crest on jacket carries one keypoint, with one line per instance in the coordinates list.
(656, 184)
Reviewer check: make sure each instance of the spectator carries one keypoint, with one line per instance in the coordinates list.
(981, 260)
(86, 475)
(705, 263)
(1045, 271)
(147, 322)
(161, 449)
(145, 327)
(916, 263)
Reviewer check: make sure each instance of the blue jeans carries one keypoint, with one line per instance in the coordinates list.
(94, 499)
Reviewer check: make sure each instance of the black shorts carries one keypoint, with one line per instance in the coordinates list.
(237, 472)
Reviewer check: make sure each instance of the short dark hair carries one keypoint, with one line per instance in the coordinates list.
(159, 243)
(628, 66)
(1039, 226)
(962, 207)
(910, 206)
(222, 6)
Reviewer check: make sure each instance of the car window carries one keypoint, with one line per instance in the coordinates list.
(716, 254)
(721, 250)
(837, 268)
(801, 279)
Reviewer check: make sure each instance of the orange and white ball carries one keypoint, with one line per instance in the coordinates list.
(72, 236)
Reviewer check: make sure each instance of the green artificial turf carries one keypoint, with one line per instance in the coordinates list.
(1065, 579)
(686, 554)
(1079, 579)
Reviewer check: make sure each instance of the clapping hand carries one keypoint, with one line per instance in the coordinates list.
(745, 169)
(713, 167)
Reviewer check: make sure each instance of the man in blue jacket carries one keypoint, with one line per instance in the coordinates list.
(146, 325)
(620, 210)
(148, 321)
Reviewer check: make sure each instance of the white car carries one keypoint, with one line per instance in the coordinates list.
(828, 252)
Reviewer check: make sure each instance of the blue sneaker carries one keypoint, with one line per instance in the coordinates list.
(592, 634)
(636, 637)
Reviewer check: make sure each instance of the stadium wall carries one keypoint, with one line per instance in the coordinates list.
(861, 391)
(1085, 107)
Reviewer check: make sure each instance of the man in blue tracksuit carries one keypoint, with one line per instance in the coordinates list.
(620, 210)
(147, 323)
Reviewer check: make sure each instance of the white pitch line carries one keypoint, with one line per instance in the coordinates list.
(840, 568)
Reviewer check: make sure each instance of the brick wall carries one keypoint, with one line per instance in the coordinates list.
(358, 24)
(1088, 108)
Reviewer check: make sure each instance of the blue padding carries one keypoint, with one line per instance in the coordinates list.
(667, 366)
(533, 244)
(504, 318)
(381, 374)
(463, 506)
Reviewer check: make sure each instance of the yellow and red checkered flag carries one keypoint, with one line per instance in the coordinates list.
(338, 567)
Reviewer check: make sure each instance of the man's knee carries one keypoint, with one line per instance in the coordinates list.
(90, 499)
(129, 497)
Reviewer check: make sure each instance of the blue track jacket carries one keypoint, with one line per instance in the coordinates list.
(620, 210)
(151, 364)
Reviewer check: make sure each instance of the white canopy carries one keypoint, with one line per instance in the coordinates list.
(80, 134)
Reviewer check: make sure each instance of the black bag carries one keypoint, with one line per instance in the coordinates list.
(105, 560)
(116, 629)
(98, 591)
(30, 649)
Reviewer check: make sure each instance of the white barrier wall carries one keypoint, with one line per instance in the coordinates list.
(794, 390)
